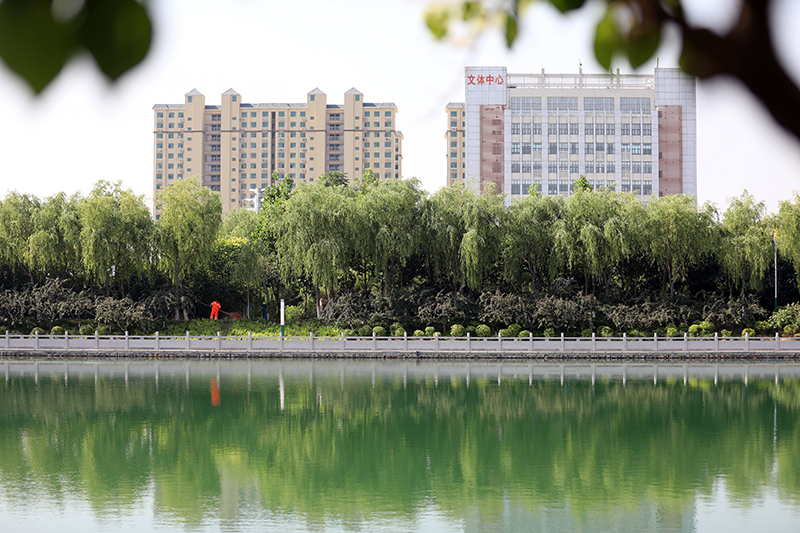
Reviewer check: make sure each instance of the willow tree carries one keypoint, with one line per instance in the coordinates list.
(55, 245)
(187, 228)
(311, 236)
(679, 235)
(466, 232)
(116, 232)
(745, 250)
(387, 224)
(17, 223)
(529, 237)
(789, 232)
(600, 229)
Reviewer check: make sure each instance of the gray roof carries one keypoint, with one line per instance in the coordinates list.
(316, 91)
(168, 106)
(194, 92)
(354, 91)
(231, 91)
(456, 104)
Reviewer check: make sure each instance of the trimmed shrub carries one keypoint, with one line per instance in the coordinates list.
(748, 331)
(524, 334)
(695, 330)
(399, 332)
(506, 332)
(634, 333)
(471, 329)
(763, 326)
(726, 333)
(457, 330)
(586, 332)
(483, 331)
(672, 331)
(350, 333)
(429, 331)
(419, 333)
(683, 327)
(86, 329)
(37, 331)
(549, 332)
(379, 331)
(707, 328)
(789, 330)
(365, 331)
(57, 330)
(395, 326)
(103, 329)
(515, 329)
(606, 331)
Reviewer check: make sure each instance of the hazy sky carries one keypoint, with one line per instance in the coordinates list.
(279, 51)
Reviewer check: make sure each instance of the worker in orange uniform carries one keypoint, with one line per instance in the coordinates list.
(215, 305)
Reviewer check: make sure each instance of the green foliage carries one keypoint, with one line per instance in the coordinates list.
(524, 334)
(549, 332)
(483, 331)
(790, 330)
(57, 330)
(786, 315)
(762, 326)
(38, 38)
(86, 329)
(634, 333)
(695, 330)
(672, 331)
(706, 328)
(37, 331)
(379, 331)
(749, 332)
(292, 313)
(514, 329)
(457, 330)
(365, 331)
(419, 333)
(399, 332)
(726, 333)
(606, 331)
(586, 332)
(506, 332)
(430, 331)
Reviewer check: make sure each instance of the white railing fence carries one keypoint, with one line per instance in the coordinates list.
(468, 345)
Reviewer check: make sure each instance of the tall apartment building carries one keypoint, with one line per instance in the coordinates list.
(631, 133)
(456, 136)
(236, 147)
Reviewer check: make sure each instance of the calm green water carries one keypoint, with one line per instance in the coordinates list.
(363, 446)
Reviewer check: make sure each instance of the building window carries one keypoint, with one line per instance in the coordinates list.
(636, 149)
(514, 148)
(647, 167)
(610, 148)
(552, 129)
(573, 167)
(589, 168)
(573, 148)
(497, 167)
(647, 129)
(610, 129)
(610, 167)
(514, 127)
(589, 148)
(537, 147)
(636, 129)
(636, 167)
(515, 167)
(552, 167)
(588, 129)
(600, 147)
(552, 148)
(573, 128)
(526, 129)
(647, 149)
(537, 128)
(626, 147)
(625, 129)
(563, 147)
(599, 129)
